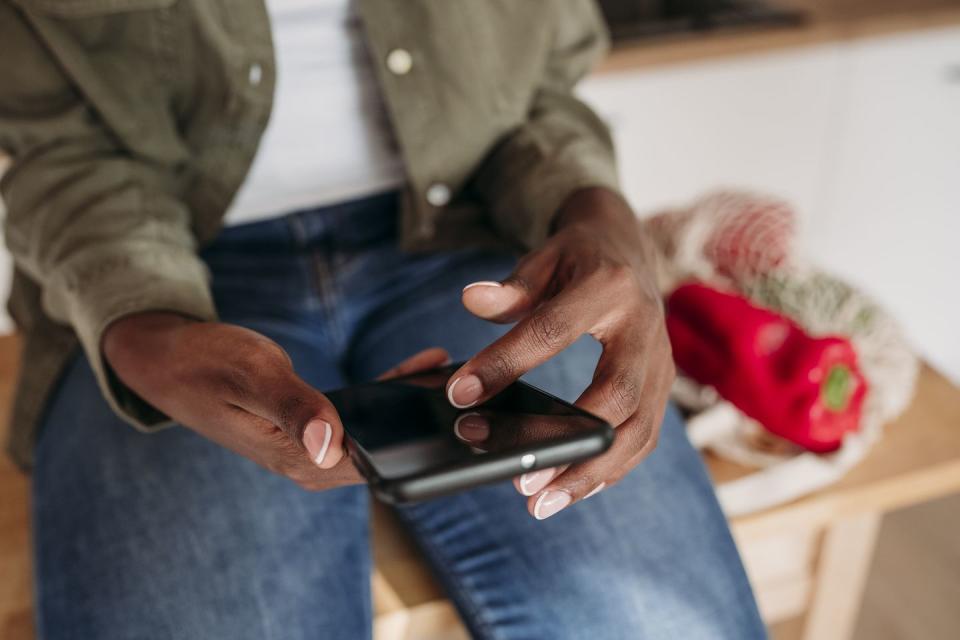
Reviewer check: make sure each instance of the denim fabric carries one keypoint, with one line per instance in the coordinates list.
(169, 536)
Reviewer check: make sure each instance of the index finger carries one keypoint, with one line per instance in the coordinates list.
(548, 330)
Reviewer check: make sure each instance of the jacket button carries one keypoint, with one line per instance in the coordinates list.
(438, 194)
(255, 74)
(399, 61)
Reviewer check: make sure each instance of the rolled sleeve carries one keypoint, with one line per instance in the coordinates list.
(101, 232)
(562, 147)
(113, 285)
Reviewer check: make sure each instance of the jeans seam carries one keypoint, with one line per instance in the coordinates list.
(321, 276)
(299, 232)
(326, 291)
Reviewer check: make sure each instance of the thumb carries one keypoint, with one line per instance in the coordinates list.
(302, 412)
(511, 299)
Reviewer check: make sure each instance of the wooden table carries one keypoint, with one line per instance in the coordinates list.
(16, 613)
(833, 531)
(810, 555)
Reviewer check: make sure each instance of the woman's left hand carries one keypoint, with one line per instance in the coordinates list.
(594, 275)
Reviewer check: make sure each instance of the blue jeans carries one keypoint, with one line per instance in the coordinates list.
(170, 536)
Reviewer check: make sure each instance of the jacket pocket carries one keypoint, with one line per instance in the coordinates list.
(89, 8)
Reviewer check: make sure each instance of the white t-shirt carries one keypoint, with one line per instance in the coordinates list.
(328, 139)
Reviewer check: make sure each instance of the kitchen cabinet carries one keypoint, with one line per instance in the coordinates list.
(891, 215)
(861, 136)
(760, 122)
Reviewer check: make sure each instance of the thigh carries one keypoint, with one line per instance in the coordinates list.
(649, 558)
(170, 536)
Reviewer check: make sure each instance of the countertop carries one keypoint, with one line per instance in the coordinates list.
(827, 21)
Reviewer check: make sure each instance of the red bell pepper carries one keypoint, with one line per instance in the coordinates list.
(807, 390)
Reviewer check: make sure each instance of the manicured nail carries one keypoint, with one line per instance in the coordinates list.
(483, 283)
(316, 438)
(471, 427)
(597, 489)
(550, 503)
(465, 391)
(531, 483)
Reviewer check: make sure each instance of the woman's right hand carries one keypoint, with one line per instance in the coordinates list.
(238, 389)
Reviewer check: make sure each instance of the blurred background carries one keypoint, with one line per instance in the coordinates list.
(848, 111)
(850, 114)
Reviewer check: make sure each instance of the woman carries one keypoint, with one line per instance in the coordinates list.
(218, 272)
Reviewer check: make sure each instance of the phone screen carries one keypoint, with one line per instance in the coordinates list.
(406, 426)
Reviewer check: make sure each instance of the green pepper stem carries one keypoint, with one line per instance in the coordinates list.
(837, 388)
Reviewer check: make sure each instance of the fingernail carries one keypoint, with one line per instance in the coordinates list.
(316, 438)
(465, 391)
(471, 427)
(483, 283)
(550, 503)
(597, 489)
(531, 483)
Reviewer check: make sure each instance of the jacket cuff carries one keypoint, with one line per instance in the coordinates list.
(535, 169)
(526, 211)
(95, 294)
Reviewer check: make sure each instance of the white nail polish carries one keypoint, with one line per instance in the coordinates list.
(327, 434)
(483, 283)
(534, 481)
(524, 482)
(597, 489)
(456, 424)
(450, 395)
(537, 504)
(550, 503)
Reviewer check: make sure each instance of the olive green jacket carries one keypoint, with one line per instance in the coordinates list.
(132, 123)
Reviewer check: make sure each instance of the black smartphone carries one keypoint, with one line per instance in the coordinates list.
(408, 440)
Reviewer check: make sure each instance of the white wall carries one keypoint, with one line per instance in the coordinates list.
(892, 217)
(863, 138)
(757, 122)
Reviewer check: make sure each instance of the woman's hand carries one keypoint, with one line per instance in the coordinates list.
(594, 275)
(238, 389)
